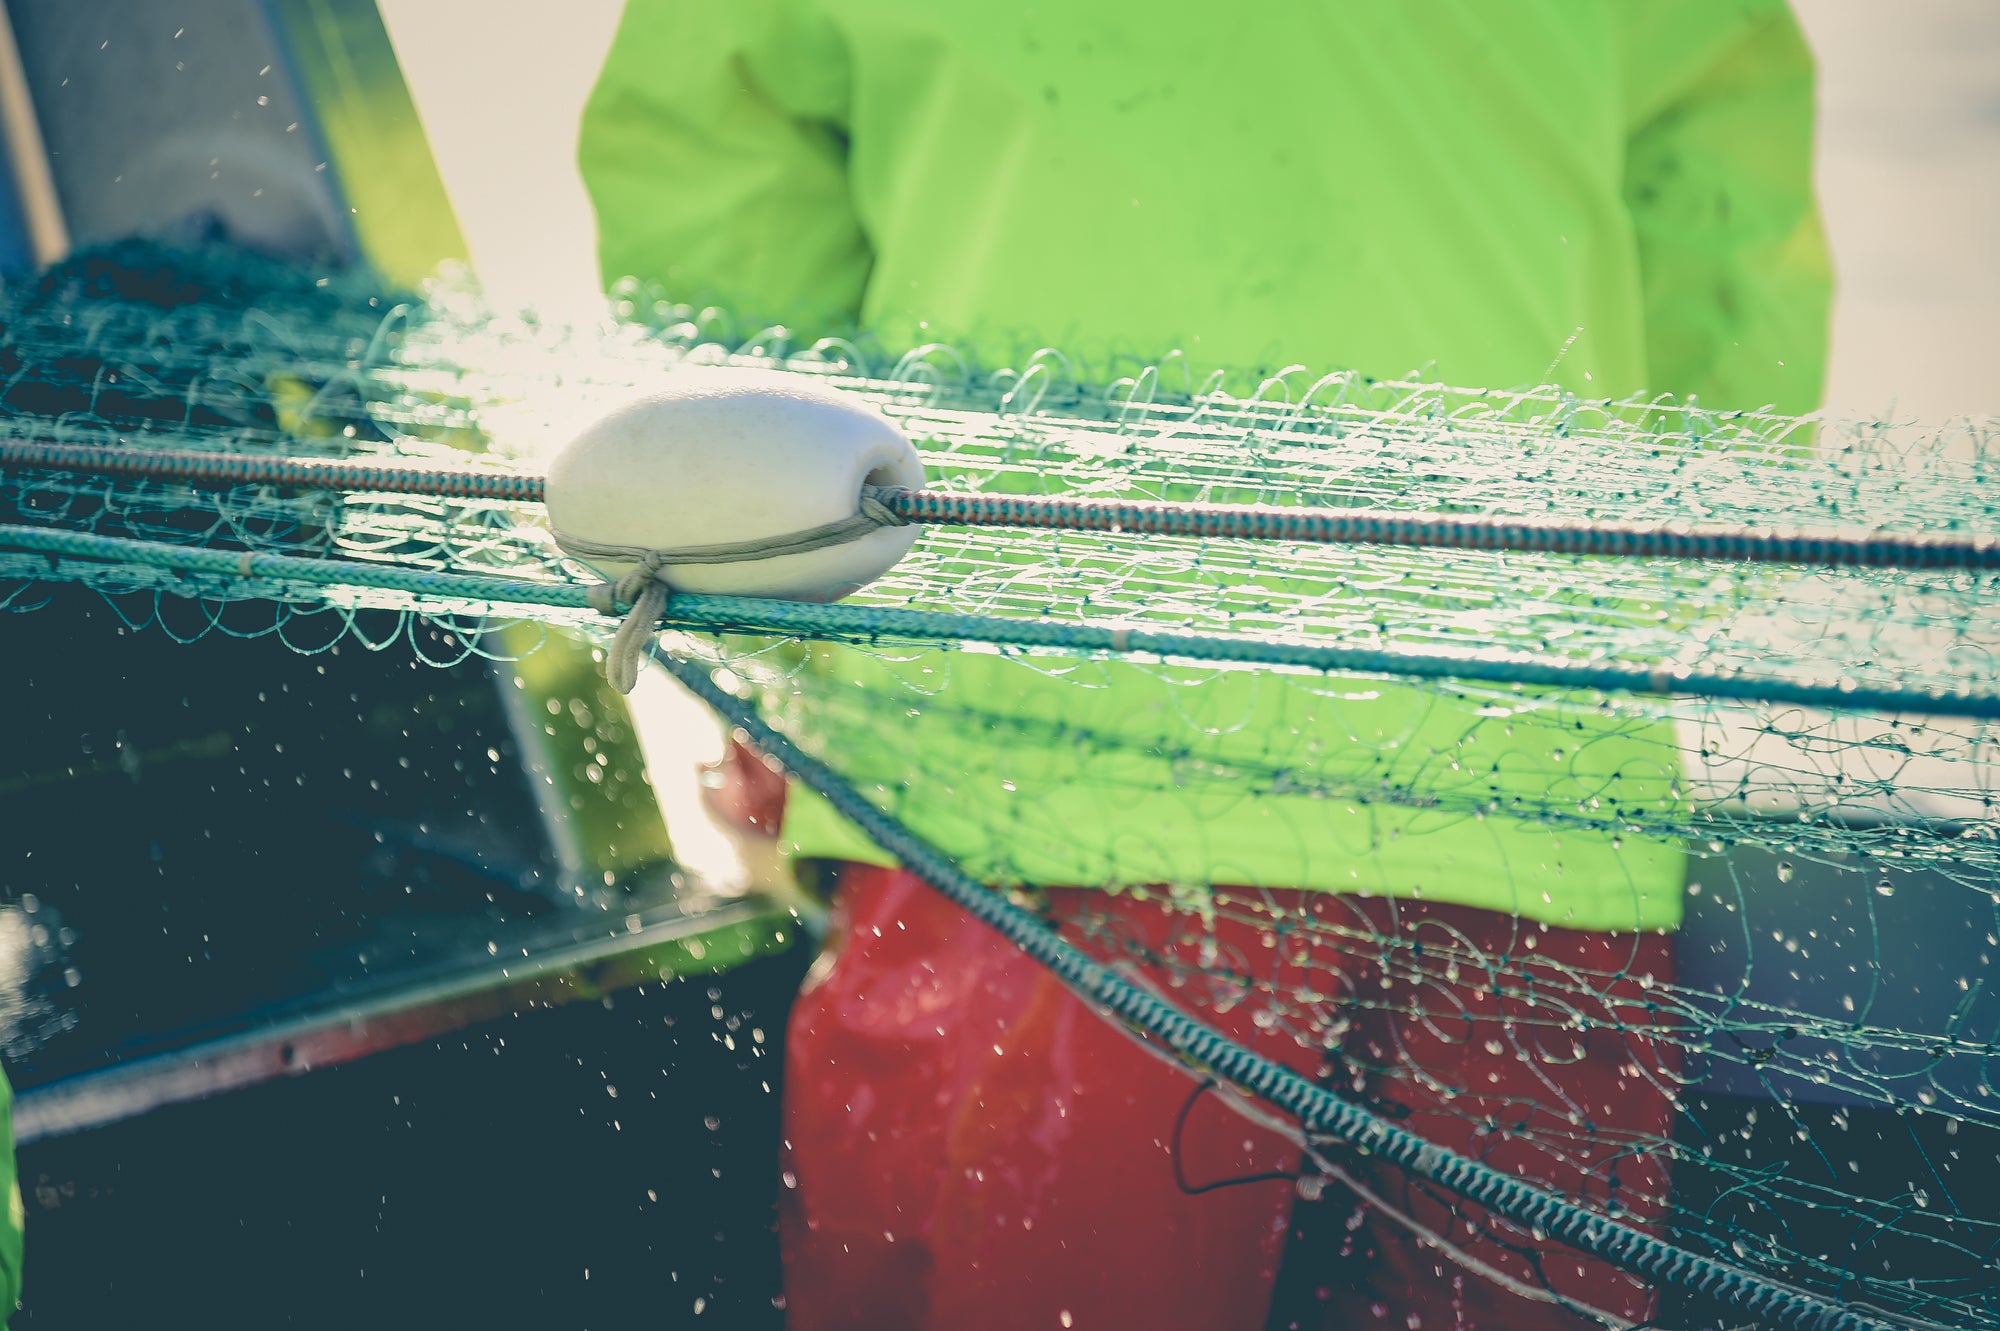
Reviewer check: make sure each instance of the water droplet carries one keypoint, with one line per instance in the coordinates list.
(1785, 871)
(1885, 888)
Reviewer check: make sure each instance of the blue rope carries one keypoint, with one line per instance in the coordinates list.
(249, 564)
(1317, 1109)
(859, 623)
(865, 623)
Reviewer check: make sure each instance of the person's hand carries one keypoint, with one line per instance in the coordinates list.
(745, 790)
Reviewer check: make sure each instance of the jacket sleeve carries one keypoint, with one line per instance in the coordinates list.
(1733, 263)
(714, 151)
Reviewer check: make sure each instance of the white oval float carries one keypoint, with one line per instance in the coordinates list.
(723, 457)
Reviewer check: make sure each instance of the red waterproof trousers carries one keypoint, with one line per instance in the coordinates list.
(969, 1146)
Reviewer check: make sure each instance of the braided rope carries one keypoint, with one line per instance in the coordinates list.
(865, 623)
(250, 565)
(1446, 531)
(1317, 1109)
(1263, 522)
(225, 469)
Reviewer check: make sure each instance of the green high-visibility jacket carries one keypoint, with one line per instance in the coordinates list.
(1614, 197)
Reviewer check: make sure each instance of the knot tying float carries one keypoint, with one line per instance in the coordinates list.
(641, 591)
(732, 483)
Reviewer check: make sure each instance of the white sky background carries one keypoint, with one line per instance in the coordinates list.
(500, 87)
(1909, 174)
(1909, 182)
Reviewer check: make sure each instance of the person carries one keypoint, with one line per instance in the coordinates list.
(1612, 197)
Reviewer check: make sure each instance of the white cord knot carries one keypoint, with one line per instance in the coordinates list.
(875, 505)
(635, 580)
(641, 591)
(645, 590)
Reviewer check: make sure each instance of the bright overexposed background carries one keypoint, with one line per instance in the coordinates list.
(1909, 181)
(500, 87)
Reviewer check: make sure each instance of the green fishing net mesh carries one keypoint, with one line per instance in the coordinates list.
(1825, 1049)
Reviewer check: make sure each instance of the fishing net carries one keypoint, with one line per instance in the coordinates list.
(1786, 769)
